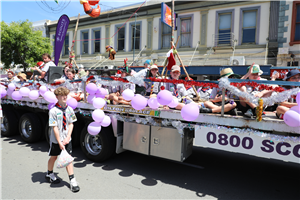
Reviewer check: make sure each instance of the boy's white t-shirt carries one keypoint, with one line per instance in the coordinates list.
(46, 68)
(56, 119)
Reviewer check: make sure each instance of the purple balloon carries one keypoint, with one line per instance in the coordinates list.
(101, 92)
(106, 121)
(16, 95)
(50, 97)
(91, 88)
(164, 97)
(94, 128)
(296, 108)
(98, 115)
(51, 105)
(91, 98)
(9, 92)
(24, 91)
(128, 94)
(152, 103)
(34, 94)
(298, 98)
(190, 112)
(43, 89)
(3, 92)
(173, 103)
(11, 86)
(99, 103)
(72, 103)
(292, 118)
(139, 102)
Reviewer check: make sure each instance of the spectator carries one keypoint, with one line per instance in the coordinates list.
(214, 105)
(293, 76)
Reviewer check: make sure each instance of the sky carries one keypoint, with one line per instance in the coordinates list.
(37, 10)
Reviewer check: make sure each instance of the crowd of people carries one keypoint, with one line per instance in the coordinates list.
(210, 98)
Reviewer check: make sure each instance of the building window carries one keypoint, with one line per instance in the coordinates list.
(66, 45)
(166, 36)
(97, 41)
(85, 42)
(295, 28)
(121, 39)
(249, 26)
(224, 28)
(137, 31)
(185, 32)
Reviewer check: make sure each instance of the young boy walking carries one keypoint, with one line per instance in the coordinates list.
(61, 118)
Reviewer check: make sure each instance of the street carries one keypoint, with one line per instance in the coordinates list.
(207, 174)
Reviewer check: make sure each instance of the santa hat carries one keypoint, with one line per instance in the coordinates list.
(40, 63)
(171, 60)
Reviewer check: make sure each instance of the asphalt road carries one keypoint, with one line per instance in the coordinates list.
(206, 174)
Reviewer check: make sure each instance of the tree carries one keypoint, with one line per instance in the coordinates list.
(20, 44)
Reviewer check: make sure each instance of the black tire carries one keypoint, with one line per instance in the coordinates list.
(8, 124)
(30, 127)
(100, 147)
(44, 118)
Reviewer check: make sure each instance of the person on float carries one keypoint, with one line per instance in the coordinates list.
(214, 105)
(253, 73)
(22, 78)
(177, 90)
(292, 76)
(9, 78)
(64, 77)
(77, 92)
(61, 118)
(152, 88)
(44, 72)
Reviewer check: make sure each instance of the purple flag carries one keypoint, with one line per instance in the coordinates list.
(61, 31)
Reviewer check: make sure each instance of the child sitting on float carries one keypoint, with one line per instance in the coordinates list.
(22, 78)
(214, 105)
(115, 95)
(177, 90)
(152, 88)
(293, 76)
(76, 93)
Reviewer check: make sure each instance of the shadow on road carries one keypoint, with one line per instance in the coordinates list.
(224, 175)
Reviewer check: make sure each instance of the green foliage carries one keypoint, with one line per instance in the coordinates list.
(21, 45)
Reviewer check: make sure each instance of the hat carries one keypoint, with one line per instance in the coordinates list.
(255, 69)
(153, 67)
(291, 73)
(147, 62)
(175, 68)
(228, 72)
(22, 75)
(40, 63)
(9, 71)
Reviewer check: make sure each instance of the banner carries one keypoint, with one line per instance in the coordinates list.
(61, 31)
(166, 13)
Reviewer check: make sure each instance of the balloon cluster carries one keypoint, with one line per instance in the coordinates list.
(292, 116)
(96, 97)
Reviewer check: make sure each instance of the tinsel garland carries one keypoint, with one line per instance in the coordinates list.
(269, 101)
(175, 123)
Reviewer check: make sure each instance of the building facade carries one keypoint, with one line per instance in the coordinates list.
(208, 33)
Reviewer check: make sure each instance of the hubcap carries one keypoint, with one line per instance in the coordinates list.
(26, 128)
(92, 144)
(4, 124)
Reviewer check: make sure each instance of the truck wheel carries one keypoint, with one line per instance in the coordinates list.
(30, 127)
(8, 124)
(99, 147)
